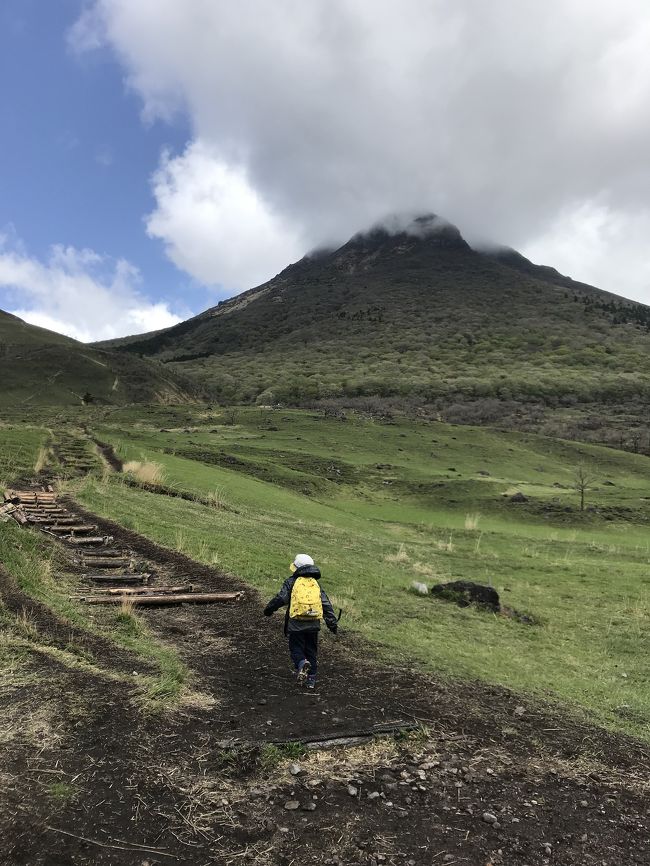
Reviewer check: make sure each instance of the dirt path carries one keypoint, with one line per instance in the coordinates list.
(495, 779)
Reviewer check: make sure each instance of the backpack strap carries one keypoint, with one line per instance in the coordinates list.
(286, 615)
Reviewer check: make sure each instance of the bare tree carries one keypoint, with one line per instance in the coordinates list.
(583, 480)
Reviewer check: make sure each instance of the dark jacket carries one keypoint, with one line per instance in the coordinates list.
(283, 598)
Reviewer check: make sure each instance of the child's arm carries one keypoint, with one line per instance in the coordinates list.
(279, 600)
(328, 612)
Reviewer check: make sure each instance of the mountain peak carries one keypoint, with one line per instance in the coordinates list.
(427, 226)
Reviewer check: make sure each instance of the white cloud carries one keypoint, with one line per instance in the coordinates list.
(596, 245)
(214, 224)
(312, 120)
(79, 293)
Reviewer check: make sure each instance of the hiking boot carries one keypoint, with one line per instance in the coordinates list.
(303, 673)
(311, 682)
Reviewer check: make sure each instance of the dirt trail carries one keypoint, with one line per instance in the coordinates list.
(496, 779)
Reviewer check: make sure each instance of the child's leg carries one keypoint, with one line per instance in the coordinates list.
(311, 651)
(297, 648)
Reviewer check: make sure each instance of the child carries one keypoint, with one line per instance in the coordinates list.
(306, 605)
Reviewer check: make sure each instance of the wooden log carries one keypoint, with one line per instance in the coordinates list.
(158, 600)
(118, 578)
(91, 539)
(75, 527)
(137, 590)
(58, 521)
(103, 554)
(107, 563)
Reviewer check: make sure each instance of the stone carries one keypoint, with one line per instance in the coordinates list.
(309, 807)
(519, 711)
(352, 791)
(291, 805)
(295, 769)
(372, 795)
(489, 818)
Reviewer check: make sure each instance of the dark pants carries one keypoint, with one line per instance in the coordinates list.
(304, 645)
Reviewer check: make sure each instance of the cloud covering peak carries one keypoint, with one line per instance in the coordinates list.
(521, 122)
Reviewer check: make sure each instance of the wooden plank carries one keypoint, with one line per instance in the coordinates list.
(158, 600)
(76, 527)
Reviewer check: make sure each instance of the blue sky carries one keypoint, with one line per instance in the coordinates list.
(158, 155)
(76, 157)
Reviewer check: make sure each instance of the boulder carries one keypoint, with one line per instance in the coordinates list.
(518, 497)
(465, 592)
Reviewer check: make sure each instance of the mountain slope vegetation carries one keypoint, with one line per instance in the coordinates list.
(41, 368)
(416, 313)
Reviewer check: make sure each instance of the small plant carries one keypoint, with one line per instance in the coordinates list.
(61, 791)
(215, 499)
(271, 755)
(471, 522)
(26, 625)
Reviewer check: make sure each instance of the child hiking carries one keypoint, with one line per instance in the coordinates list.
(306, 605)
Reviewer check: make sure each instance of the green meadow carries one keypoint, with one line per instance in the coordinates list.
(382, 504)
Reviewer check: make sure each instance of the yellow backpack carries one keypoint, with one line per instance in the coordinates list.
(306, 603)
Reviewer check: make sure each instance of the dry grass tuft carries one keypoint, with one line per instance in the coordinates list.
(400, 556)
(145, 471)
(446, 546)
(471, 521)
(41, 459)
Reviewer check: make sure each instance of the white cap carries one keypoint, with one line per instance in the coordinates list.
(302, 559)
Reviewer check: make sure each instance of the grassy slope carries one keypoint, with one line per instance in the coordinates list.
(585, 577)
(41, 368)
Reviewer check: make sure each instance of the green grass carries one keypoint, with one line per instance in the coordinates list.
(584, 577)
(35, 563)
(19, 450)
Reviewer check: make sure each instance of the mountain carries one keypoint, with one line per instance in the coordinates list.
(42, 368)
(419, 313)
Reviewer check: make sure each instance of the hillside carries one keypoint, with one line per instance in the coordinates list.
(41, 368)
(417, 313)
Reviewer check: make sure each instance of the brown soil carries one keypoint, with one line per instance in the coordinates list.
(136, 788)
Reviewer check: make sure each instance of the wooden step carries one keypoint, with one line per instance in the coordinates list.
(91, 539)
(158, 600)
(118, 578)
(107, 563)
(138, 590)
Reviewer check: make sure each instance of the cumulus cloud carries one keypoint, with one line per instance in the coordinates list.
(313, 120)
(79, 293)
(215, 225)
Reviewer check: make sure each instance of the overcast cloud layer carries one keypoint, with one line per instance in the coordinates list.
(523, 122)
